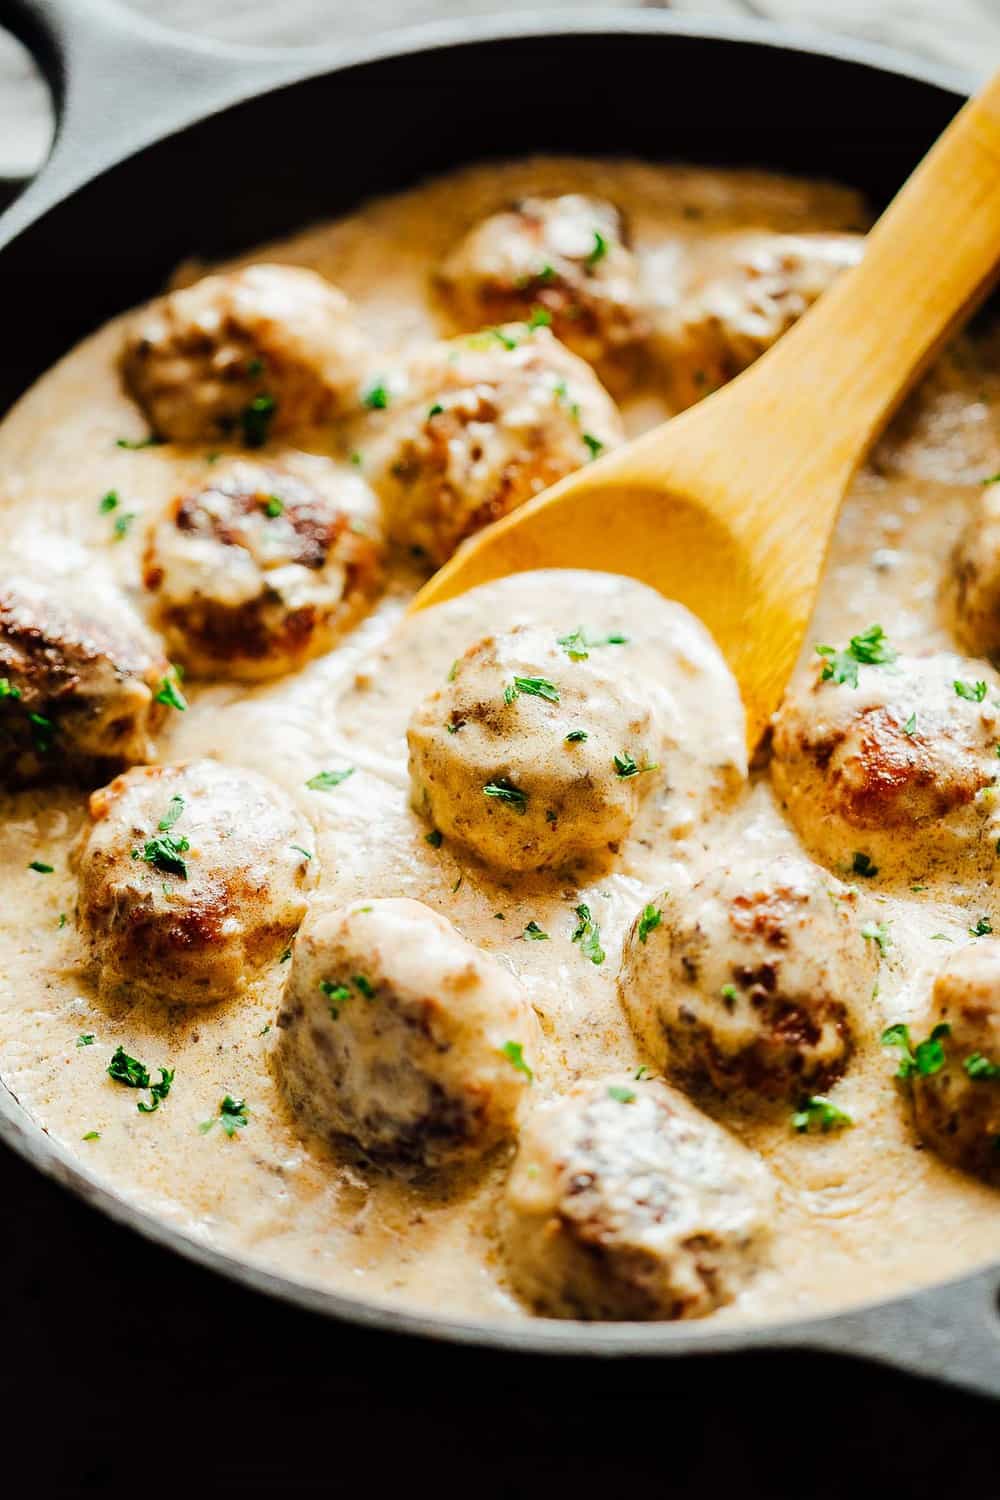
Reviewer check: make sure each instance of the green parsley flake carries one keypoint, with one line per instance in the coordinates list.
(10, 689)
(870, 648)
(534, 687)
(983, 928)
(588, 935)
(599, 251)
(43, 732)
(621, 1094)
(164, 852)
(92, 1135)
(980, 1069)
(233, 1115)
(501, 789)
(877, 932)
(123, 525)
(578, 645)
(730, 995)
(973, 692)
(910, 727)
(325, 781)
(625, 766)
(255, 420)
(514, 1053)
(109, 503)
(174, 809)
(649, 921)
(863, 866)
(337, 994)
(170, 692)
(85, 1039)
(534, 934)
(273, 507)
(926, 1058)
(576, 737)
(818, 1113)
(376, 397)
(594, 444)
(40, 868)
(435, 838)
(135, 1075)
(134, 444)
(540, 318)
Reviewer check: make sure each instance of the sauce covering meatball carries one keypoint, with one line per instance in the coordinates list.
(400, 1035)
(954, 1074)
(79, 688)
(536, 751)
(259, 571)
(252, 353)
(975, 576)
(626, 1202)
(478, 426)
(743, 291)
(192, 881)
(568, 256)
(894, 759)
(752, 979)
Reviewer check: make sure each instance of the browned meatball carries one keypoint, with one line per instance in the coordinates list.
(251, 354)
(478, 426)
(566, 255)
(400, 1035)
(258, 572)
(626, 1202)
(78, 689)
(893, 758)
(975, 577)
(955, 1073)
(752, 980)
(742, 292)
(192, 881)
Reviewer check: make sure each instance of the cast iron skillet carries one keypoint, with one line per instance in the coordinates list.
(167, 147)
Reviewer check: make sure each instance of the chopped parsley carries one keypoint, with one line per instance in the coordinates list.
(109, 503)
(435, 838)
(504, 338)
(164, 852)
(870, 648)
(92, 1135)
(540, 318)
(534, 934)
(926, 1058)
(877, 932)
(435, 410)
(980, 1069)
(817, 1113)
(174, 809)
(534, 687)
(299, 850)
(9, 689)
(501, 789)
(376, 397)
(863, 866)
(594, 444)
(255, 420)
(40, 868)
(273, 507)
(85, 1039)
(514, 1053)
(910, 727)
(983, 928)
(625, 766)
(325, 781)
(232, 1116)
(649, 921)
(134, 444)
(43, 733)
(364, 985)
(337, 994)
(621, 1094)
(599, 251)
(135, 1075)
(730, 995)
(576, 737)
(588, 935)
(578, 645)
(170, 691)
(972, 692)
(123, 525)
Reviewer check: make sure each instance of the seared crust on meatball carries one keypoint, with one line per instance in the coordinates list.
(399, 1035)
(566, 255)
(974, 584)
(77, 689)
(481, 425)
(750, 981)
(743, 292)
(259, 571)
(250, 353)
(900, 767)
(192, 881)
(626, 1202)
(533, 756)
(956, 1094)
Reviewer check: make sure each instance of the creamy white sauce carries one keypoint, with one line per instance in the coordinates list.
(861, 1213)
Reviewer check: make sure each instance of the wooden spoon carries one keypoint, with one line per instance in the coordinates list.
(729, 507)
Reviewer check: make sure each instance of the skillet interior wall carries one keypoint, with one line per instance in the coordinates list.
(318, 148)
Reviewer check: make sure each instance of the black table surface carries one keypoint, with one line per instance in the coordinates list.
(128, 1370)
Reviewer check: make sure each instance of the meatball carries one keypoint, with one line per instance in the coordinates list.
(258, 572)
(955, 1076)
(743, 291)
(566, 255)
(626, 1202)
(975, 577)
(399, 1035)
(482, 425)
(79, 690)
(751, 980)
(891, 758)
(534, 753)
(192, 881)
(256, 352)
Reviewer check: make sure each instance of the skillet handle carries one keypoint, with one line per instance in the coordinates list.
(120, 80)
(949, 1333)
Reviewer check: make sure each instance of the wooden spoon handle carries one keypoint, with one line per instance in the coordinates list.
(933, 255)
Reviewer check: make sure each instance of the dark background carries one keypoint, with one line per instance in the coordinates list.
(128, 1371)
